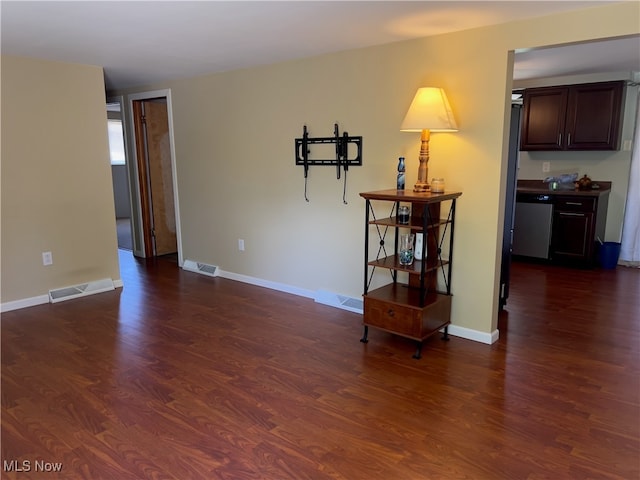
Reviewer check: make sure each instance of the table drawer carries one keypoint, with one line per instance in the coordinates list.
(575, 204)
(400, 319)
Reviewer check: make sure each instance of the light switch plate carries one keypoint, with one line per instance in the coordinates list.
(47, 258)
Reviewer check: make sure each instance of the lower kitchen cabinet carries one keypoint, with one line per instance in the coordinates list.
(571, 235)
(578, 223)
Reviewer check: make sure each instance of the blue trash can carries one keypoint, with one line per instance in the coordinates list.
(609, 254)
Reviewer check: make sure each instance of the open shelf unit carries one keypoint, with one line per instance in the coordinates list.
(416, 308)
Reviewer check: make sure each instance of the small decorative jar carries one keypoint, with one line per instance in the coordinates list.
(437, 185)
(403, 214)
(584, 183)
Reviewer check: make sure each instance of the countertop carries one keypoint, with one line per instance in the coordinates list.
(539, 187)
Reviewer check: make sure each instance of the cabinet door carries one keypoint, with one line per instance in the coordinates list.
(572, 235)
(543, 120)
(593, 116)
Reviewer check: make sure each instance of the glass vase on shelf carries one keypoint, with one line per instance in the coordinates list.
(405, 250)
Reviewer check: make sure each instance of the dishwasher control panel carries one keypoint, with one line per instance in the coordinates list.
(533, 198)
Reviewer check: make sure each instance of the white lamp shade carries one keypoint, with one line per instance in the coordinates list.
(430, 110)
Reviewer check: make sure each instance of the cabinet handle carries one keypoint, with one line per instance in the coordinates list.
(568, 214)
(574, 203)
(560, 139)
(568, 139)
(391, 313)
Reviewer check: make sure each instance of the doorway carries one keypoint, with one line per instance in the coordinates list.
(155, 179)
(119, 173)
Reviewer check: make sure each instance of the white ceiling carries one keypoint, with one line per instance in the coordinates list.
(145, 42)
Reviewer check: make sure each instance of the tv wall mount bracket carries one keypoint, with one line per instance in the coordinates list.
(341, 160)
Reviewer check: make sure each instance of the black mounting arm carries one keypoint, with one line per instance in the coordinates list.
(341, 142)
(341, 160)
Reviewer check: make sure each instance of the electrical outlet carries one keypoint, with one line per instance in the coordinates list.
(47, 258)
(626, 145)
(546, 167)
(241, 245)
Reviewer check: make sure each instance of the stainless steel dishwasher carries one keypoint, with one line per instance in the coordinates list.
(532, 225)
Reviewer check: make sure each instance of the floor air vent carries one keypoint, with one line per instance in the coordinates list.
(202, 268)
(350, 302)
(339, 301)
(82, 290)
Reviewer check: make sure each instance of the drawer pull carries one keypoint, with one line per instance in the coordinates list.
(579, 204)
(568, 214)
(391, 313)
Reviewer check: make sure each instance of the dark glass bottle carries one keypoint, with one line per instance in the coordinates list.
(400, 180)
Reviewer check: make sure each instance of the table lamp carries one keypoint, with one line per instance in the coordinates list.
(429, 112)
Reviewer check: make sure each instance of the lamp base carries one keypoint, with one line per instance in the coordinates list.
(421, 187)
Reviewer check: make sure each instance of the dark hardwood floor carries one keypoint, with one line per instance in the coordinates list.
(182, 376)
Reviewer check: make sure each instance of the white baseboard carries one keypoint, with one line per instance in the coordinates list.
(72, 292)
(24, 303)
(348, 303)
(281, 287)
(475, 335)
(320, 296)
(39, 300)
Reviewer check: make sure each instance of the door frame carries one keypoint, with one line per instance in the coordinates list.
(119, 99)
(136, 194)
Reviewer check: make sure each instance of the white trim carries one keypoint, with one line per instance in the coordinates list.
(136, 197)
(325, 298)
(81, 290)
(41, 300)
(281, 287)
(24, 303)
(131, 171)
(319, 296)
(475, 335)
(164, 93)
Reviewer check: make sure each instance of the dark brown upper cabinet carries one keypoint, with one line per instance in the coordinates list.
(573, 117)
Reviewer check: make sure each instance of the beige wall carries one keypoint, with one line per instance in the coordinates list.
(56, 178)
(234, 138)
(234, 141)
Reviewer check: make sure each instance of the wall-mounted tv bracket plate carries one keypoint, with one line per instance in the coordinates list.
(341, 159)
